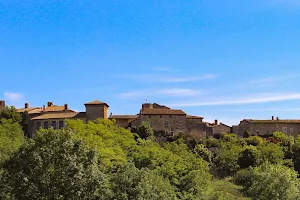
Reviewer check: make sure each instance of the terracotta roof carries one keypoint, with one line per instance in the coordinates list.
(96, 102)
(292, 121)
(149, 111)
(123, 117)
(56, 109)
(193, 117)
(61, 115)
(27, 109)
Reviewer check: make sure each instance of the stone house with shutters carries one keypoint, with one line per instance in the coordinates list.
(54, 116)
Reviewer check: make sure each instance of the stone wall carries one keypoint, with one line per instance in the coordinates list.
(2, 105)
(167, 123)
(94, 112)
(221, 129)
(198, 129)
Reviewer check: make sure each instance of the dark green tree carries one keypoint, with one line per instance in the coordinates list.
(53, 166)
(10, 112)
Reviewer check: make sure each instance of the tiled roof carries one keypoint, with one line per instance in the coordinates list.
(26, 109)
(55, 109)
(292, 121)
(149, 111)
(60, 115)
(123, 117)
(193, 117)
(96, 102)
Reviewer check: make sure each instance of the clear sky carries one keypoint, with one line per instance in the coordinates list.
(225, 59)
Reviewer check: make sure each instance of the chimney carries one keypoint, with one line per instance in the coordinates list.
(110, 114)
(26, 105)
(272, 117)
(50, 104)
(44, 108)
(277, 118)
(216, 122)
(66, 106)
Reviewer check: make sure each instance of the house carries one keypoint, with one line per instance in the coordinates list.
(55, 116)
(267, 127)
(165, 121)
(220, 128)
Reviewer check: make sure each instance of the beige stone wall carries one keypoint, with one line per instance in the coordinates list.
(123, 123)
(34, 124)
(269, 128)
(198, 129)
(264, 128)
(169, 123)
(94, 112)
(221, 129)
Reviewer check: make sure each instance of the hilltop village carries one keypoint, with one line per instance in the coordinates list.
(165, 121)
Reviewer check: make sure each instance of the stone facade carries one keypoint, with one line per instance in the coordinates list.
(2, 105)
(267, 127)
(95, 110)
(169, 122)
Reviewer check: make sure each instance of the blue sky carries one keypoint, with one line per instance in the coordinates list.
(225, 60)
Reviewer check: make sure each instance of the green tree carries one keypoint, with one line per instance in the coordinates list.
(249, 156)
(271, 152)
(226, 158)
(274, 181)
(254, 140)
(10, 112)
(130, 183)
(203, 152)
(11, 138)
(53, 166)
(144, 130)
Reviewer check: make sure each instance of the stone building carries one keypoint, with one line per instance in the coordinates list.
(2, 105)
(267, 127)
(165, 121)
(55, 116)
(220, 128)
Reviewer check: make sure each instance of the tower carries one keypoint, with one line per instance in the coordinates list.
(96, 109)
(2, 104)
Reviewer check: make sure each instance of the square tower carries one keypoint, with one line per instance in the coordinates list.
(96, 109)
(2, 104)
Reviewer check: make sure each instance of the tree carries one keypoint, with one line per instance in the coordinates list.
(10, 113)
(53, 166)
(249, 156)
(203, 152)
(274, 181)
(226, 158)
(271, 152)
(11, 138)
(254, 140)
(130, 183)
(144, 130)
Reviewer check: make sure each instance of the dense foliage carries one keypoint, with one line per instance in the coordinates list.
(98, 160)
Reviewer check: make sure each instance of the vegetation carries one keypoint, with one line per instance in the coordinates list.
(98, 160)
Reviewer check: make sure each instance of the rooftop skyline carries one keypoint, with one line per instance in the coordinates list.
(228, 60)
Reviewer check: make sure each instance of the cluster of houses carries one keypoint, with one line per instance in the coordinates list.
(164, 120)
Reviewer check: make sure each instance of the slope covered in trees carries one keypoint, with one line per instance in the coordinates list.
(98, 160)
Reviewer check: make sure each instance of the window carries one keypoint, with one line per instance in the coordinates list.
(291, 130)
(204, 134)
(257, 132)
(166, 124)
(38, 125)
(53, 124)
(46, 125)
(160, 116)
(171, 133)
(149, 116)
(60, 124)
(284, 129)
(150, 124)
